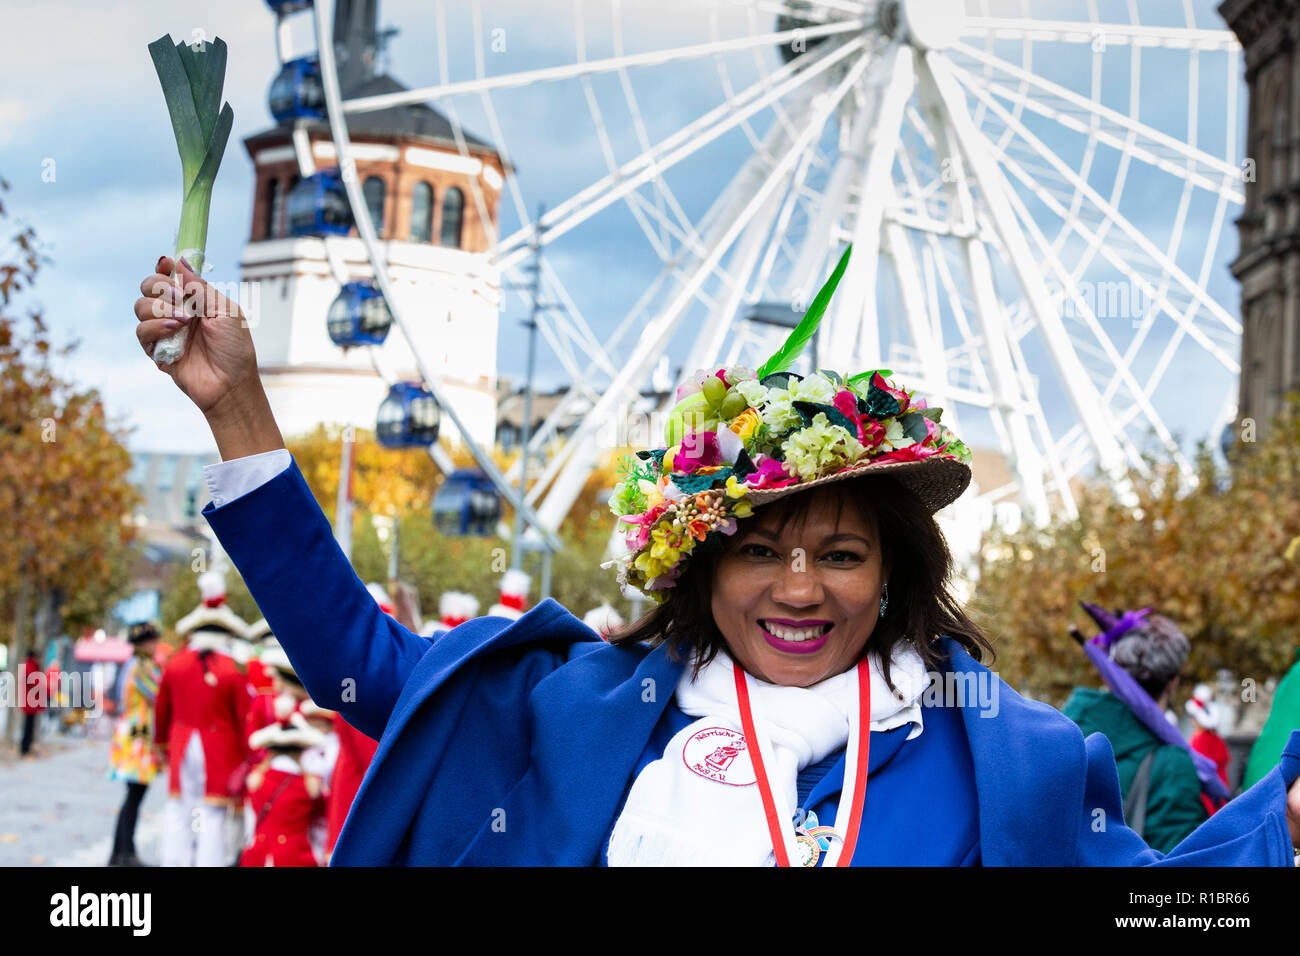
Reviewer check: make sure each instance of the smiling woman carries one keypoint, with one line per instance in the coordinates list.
(869, 575)
(774, 707)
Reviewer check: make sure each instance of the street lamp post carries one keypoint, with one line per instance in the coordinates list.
(535, 286)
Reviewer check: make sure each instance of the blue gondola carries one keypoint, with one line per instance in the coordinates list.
(408, 417)
(297, 91)
(467, 503)
(318, 205)
(288, 6)
(359, 316)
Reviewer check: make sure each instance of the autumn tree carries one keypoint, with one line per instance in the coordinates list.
(1218, 555)
(65, 499)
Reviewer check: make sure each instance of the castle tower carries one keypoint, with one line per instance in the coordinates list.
(1268, 265)
(420, 194)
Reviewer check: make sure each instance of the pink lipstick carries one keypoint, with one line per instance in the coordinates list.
(795, 647)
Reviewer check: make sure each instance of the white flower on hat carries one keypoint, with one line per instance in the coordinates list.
(779, 415)
(895, 437)
(753, 391)
(814, 388)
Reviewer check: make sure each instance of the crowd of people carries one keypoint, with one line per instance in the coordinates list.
(257, 773)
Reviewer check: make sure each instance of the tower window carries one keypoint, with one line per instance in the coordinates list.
(274, 209)
(373, 191)
(281, 218)
(422, 213)
(453, 207)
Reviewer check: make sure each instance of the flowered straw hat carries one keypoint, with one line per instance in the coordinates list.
(739, 438)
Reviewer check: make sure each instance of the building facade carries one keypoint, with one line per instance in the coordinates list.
(1268, 264)
(434, 208)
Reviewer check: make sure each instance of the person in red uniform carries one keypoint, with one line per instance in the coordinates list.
(34, 694)
(1206, 740)
(284, 798)
(199, 719)
(355, 751)
(286, 693)
(260, 637)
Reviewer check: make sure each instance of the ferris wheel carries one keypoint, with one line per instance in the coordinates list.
(1036, 206)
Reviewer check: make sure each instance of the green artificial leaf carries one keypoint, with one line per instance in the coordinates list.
(803, 332)
(691, 484)
(930, 413)
(744, 465)
(779, 379)
(808, 411)
(854, 379)
(914, 426)
(880, 404)
(656, 453)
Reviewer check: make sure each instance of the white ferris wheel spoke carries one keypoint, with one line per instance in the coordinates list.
(667, 152)
(1006, 386)
(1122, 370)
(1108, 34)
(1096, 111)
(854, 329)
(993, 190)
(569, 71)
(1115, 218)
(1184, 318)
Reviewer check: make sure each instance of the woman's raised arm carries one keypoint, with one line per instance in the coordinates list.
(352, 656)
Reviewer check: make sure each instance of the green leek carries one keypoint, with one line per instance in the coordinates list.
(192, 77)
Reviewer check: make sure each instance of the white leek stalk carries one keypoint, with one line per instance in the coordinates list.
(192, 77)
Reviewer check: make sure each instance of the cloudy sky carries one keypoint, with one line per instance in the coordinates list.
(79, 97)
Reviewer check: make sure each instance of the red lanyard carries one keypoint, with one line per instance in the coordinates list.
(775, 825)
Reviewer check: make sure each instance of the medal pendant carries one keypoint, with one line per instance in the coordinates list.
(809, 851)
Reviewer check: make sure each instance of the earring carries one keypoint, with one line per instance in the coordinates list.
(884, 598)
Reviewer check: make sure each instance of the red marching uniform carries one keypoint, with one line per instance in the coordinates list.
(204, 692)
(285, 809)
(355, 753)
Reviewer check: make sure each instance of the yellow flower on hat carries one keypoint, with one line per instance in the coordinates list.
(746, 422)
(653, 495)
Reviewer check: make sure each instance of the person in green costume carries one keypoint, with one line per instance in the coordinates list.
(1282, 719)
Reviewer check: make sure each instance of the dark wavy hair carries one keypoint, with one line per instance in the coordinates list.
(921, 606)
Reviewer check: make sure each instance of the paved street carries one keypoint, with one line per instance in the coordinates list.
(60, 808)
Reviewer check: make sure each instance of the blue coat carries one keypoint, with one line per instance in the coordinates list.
(514, 742)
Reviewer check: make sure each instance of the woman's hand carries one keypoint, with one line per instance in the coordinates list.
(218, 370)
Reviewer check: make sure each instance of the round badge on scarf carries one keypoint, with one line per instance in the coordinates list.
(720, 754)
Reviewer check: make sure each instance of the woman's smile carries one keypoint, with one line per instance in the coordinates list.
(795, 637)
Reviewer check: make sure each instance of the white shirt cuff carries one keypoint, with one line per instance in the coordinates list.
(228, 480)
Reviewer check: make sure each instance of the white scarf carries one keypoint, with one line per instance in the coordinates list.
(697, 805)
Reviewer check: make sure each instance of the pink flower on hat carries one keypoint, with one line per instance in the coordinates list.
(699, 449)
(846, 402)
(904, 400)
(917, 451)
(770, 474)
